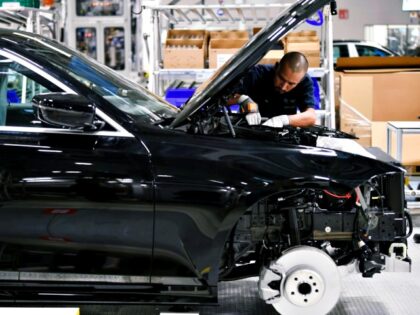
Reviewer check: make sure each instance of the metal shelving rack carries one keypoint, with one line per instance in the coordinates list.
(32, 20)
(245, 15)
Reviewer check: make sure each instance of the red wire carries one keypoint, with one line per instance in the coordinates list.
(346, 196)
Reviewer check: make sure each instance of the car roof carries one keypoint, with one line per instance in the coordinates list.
(364, 42)
(337, 41)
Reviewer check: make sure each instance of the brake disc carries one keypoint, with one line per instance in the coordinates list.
(304, 280)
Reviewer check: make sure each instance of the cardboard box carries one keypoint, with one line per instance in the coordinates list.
(186, 34)
(303, 47)
(382, 96)
(374, 133)
(302, 33)
(306, 42)
(185, 49)
(300, 39)
(187, 53)
(272, 57)
(255, 30)
(233, 34)
(314, 61)
(220, 50)
(377, 63)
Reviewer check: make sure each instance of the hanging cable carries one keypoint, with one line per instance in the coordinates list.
(346, 196)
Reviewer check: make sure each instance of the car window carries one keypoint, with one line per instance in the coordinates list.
(363, 50)
(340, 51)
(18, 85)
(127, 96)
(142, 105)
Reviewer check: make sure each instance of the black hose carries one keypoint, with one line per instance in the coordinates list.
(410, 225)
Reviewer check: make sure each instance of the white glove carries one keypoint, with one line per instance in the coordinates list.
(253, 118)
(277, 121)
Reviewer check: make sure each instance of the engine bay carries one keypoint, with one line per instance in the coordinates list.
(222, 122)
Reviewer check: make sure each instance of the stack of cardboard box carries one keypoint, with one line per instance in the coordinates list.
(191, 48)
(306, 42)
(223, 44)
(185, 49)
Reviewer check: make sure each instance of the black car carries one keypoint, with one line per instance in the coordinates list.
(109, 194)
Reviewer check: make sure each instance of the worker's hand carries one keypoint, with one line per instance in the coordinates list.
(277, 121)
(253, 118)
(250, 108)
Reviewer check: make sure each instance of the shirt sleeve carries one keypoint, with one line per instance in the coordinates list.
(306, 94)
(247, 82)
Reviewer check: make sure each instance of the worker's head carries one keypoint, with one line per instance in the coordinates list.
(290, 71)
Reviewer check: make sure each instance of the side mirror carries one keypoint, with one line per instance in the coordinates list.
(64, 110)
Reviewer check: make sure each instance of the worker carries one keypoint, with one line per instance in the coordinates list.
(276, 92)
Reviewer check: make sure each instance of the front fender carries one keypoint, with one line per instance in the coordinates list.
(204, 184)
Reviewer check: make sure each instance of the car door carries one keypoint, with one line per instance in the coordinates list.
(74, 205)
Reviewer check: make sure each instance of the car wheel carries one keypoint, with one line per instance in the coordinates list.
(304, 280)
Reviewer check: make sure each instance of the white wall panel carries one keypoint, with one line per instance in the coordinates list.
(367, 12)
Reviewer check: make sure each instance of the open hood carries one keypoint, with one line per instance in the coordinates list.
(249, 55)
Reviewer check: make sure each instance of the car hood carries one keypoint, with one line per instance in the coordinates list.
(249, 55)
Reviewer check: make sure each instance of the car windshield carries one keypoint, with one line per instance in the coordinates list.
(139, 103)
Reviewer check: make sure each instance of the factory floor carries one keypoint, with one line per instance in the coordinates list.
(384, 294)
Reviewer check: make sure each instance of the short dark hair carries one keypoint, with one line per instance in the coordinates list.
(295, 60)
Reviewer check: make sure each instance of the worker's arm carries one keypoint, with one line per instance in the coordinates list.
(306, 104)
(248, 107)
(304, 119)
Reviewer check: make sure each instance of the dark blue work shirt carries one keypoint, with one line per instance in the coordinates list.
(258, 83)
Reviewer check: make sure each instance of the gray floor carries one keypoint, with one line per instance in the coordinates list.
(384, 294)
